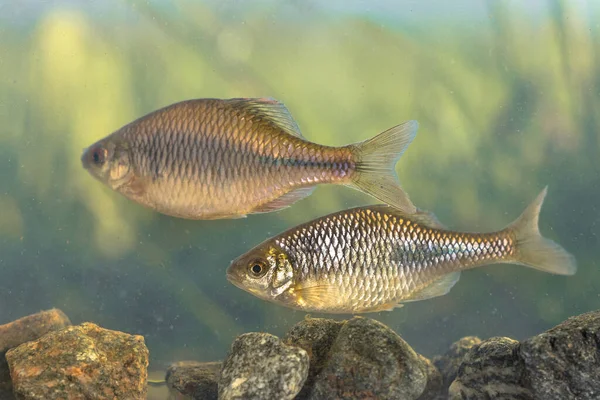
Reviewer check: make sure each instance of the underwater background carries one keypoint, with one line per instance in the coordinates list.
(507, 96)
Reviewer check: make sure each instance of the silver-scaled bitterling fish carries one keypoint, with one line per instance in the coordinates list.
(375, 258)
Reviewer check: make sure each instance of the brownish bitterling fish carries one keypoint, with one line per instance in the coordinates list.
(374, 258)
(212, 158)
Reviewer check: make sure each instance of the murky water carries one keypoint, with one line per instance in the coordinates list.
(507, 98)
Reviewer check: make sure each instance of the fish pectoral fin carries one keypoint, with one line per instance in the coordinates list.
(320, 295)
(271, 110)
(136, 186)
(436, 288)
(285, 200)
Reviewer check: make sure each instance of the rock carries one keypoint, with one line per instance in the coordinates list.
(194, 380)
(31, 328)
(321, 338)
(561, 363)
(260, 366)
(434, 387)
(315, 336)
(492, 369)
(5, 382)
(368, 360)
(83, 361)
(564, 362)
(24, 330)
(448, 363)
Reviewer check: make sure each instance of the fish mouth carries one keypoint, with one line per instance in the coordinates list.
(232, 278)
(84, 158)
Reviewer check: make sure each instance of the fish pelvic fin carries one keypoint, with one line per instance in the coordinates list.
(376, 160)
(535, 251)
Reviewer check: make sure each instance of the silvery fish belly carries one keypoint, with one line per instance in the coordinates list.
(375, 258)
(212, 158)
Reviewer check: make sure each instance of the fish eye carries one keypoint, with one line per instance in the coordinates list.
(99, 155)
(257, 268)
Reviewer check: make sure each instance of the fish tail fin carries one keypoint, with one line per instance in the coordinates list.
(376, 160)
(535, 251)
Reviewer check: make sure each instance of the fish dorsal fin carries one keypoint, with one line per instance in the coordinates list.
(422, 217)
(285, 201)
(428, 219)
(271, 110)
(436, 288)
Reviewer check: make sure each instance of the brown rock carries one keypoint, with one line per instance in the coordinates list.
(83, 361)
(24, 330)
(31, 328)
(194, 380)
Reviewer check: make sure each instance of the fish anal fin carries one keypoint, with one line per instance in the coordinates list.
(234, 216)
(381, 307)
(285, 200)
(272, 110)
(439, 287)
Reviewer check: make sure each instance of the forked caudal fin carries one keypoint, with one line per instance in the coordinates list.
(534, 250)
(376, 160)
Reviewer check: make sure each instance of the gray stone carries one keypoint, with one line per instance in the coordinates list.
(434, 388)
(260, 366)
(564, 362)
(492, 369)
(316, 336)
(194, 380)
(368, 360)
(448, 363)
